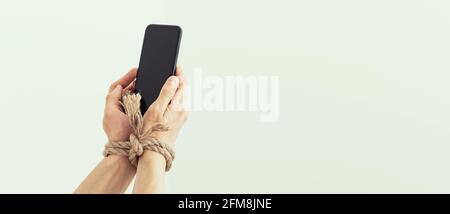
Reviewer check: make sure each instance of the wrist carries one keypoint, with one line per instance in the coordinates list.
(116, 158)
(150, 173)
(154, 159)
(118, 138)
(119, 162)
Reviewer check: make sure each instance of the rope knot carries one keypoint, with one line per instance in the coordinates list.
(139, 140)
(136, 146)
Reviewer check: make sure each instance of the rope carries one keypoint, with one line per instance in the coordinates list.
(139, 140)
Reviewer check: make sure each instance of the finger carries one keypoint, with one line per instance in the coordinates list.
(113, 98)
(130, 88)
(178, 97)
(180, 74)
(178, 71)
(125, 80)
(167, 92)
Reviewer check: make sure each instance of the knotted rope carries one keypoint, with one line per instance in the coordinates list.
(140, 139)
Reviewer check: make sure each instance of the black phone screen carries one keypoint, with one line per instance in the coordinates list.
(158, 61)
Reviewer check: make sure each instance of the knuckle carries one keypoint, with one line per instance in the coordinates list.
(184, 115)
(172, 107)
(109, 113)
(111, 87)
(176, 107)
(109, 96)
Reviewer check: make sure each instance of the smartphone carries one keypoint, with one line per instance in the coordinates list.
(158, 61)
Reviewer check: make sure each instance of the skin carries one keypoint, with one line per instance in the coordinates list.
(114, 173)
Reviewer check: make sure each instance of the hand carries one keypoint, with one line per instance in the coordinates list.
(168, 109)
(114, 173)
(115, 122)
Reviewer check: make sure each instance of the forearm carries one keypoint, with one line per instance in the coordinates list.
(150, 173)
(112, 175)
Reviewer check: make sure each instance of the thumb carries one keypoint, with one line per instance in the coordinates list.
(167, 92)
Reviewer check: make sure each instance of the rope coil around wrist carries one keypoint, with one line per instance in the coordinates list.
(139, 140)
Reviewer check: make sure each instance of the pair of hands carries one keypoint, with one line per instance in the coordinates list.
(114, 173)
(167, 109)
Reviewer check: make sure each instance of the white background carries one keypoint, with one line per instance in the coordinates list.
(364, 93)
